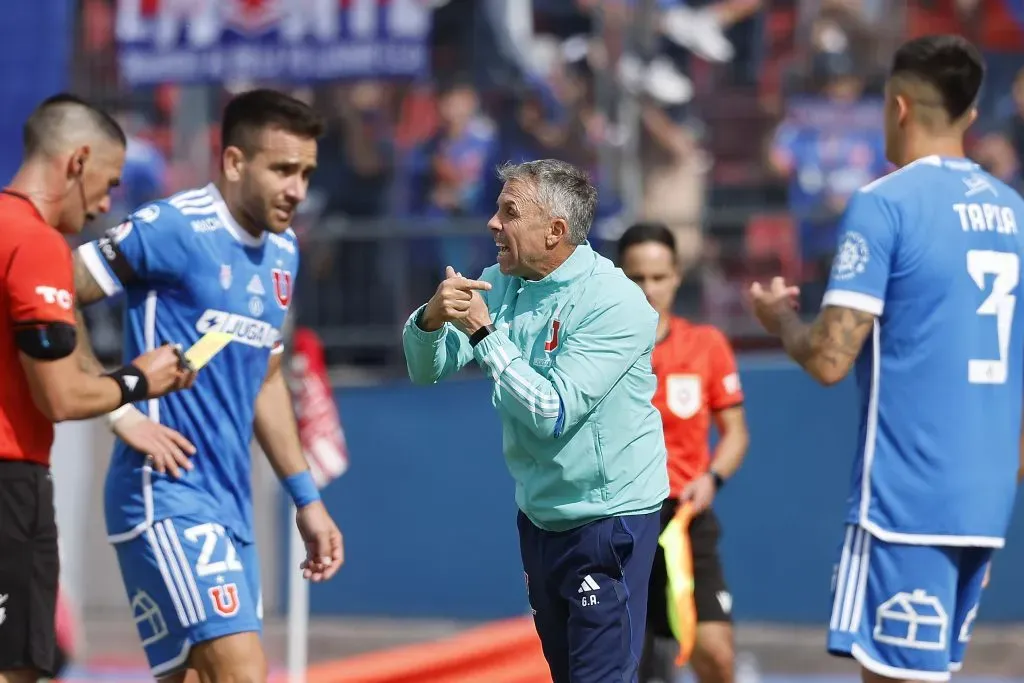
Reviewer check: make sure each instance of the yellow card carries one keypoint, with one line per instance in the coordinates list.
(203, 351)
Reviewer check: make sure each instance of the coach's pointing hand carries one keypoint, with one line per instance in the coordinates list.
(451, 301)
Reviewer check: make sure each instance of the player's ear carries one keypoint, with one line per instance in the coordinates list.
(971, 117)
(76, 162)
(233, 162)
(902, 109)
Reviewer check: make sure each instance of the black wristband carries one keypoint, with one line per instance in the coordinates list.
(132, 381)
(479, 335)
(717, 478)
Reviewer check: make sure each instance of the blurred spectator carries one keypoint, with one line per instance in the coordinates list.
(1014, 125)
(870, 30)
(145, 168)
(356, 157)
(996, 155)
(674, 176)
(447, 176)
(997, 26)
(446, 173)
(829, 146)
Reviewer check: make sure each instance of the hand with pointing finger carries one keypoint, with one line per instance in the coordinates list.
(477, 315)
(453, 301)
(772, 304)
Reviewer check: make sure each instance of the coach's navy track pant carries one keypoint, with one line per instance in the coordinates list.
(588, 591)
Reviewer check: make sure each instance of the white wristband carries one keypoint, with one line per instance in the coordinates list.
(116, 415)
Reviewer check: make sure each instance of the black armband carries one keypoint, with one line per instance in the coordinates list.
(132, 381)
(116, 260)
(479, 335)
(46, 340)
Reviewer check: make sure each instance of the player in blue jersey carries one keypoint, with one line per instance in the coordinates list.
(923, 304)
(218, 258)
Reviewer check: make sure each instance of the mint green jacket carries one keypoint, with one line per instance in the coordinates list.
(570, 359)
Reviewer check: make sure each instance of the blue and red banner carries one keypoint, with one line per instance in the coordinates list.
(197, 41)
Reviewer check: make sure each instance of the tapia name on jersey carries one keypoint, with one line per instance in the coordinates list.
(186, 267)
(934, 252)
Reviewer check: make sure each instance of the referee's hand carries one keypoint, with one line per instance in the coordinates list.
(164, 371)
(451, 301)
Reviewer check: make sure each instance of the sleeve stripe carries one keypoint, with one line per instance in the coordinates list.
(94, 264)
(527, 402)
(855, 300)
(531, 398)
(544, 405)
(535, 396)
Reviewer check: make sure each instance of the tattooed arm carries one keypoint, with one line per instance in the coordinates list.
(87, 289)
(827, 347)
(87, 359)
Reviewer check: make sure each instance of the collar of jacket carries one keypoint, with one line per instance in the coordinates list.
(579, 263)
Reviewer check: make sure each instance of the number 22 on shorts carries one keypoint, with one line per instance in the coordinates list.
(224, 595)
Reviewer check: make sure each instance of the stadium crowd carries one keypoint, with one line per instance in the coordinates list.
(743, 125)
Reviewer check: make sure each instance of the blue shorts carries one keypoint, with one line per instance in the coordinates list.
(905, 611)
(189, 580)
(588, 590)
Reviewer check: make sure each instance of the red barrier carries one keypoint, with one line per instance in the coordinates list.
(502, 652)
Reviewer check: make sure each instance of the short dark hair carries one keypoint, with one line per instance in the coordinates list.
(50, 120)
(250, 112)
(648, 231)
(951, 64)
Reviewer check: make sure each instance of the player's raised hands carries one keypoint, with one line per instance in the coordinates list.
(325, 552)
(164, 370)
(167, 450)
(774, 302)
(452, 300)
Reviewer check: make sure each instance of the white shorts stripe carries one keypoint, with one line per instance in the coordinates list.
(844, 563)
(179, 580)
(165, 573)
(186, 569)
(852, 580)
(862, 584)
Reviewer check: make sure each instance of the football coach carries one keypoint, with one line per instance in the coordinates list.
(566, 339)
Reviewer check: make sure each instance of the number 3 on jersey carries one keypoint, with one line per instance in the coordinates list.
(1005, 266)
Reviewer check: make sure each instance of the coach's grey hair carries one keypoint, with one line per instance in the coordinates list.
(562, 189)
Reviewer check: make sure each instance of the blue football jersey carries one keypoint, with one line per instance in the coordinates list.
(934, 251)
(186, 268)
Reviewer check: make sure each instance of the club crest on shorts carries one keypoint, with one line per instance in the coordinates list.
(282, 286)
(225, 599)
(683, 395)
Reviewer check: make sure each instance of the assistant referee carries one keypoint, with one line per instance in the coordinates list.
(566, 339)
(73, 157)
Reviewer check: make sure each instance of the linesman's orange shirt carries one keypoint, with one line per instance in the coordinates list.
(697, 376)
(36, 287)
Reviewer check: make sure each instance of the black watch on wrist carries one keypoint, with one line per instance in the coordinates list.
(717, 478)
(479, 335)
